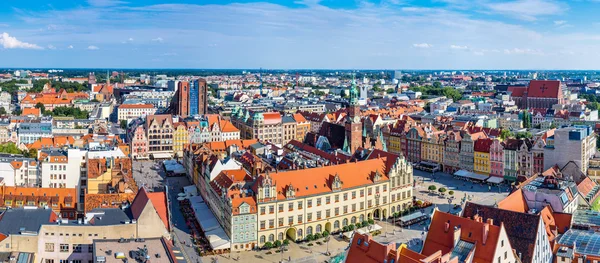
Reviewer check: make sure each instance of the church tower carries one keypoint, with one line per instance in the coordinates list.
(353, 124)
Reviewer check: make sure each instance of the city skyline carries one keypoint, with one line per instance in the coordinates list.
(393, 34)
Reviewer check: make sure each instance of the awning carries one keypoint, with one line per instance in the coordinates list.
(215, 234)
(470, 175)
(162, 156)
(363, 230)
(495, 180)
(190, 190)
(412, 216)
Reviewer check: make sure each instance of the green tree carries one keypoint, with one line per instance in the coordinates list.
(310, 237)
(32, 153)
(343, 93)
(432, 188)
(123, 124)
(40, 106)
(268, 245)
(286, 242)
(10, 148)
(390, 90)
(523, 135)
(442, 190)
(319, 235)
(505, 134)
(2, 111)
(277, 243)
(437, 85)
(451, 192)
(553, 125)
(371, 221)
(325, 233)
(526, 119)
(17, 112)
(593, 105)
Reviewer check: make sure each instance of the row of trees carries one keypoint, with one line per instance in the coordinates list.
(12, 148)
(441, 190)
(438, 90)
(64, 111)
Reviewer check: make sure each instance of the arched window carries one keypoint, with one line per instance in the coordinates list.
(362, 218)
(393, 209)
(345, 222)
(280, 236)
(262, 239)
(336, 224)
(319, 228)
(271, 237)
(309, 230)
(353, 220)
(299, 234)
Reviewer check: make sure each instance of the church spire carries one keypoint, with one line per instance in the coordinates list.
(353, 100)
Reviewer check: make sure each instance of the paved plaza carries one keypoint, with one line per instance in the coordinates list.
(151, 175)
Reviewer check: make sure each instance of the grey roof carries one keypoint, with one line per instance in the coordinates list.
(16, 221)
(288, 119)
(112, 216)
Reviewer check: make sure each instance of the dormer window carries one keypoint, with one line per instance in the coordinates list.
(377, 177)
(290, 192)
(336, 185)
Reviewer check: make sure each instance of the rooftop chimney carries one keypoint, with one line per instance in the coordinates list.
(486, 230)
(457, 232)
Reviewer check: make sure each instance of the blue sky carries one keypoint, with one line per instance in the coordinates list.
(346, 34)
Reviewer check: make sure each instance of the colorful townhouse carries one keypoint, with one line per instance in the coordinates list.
(481, 156)
(414, 138)
(432, 147)
(466, 150)
(452, 152)
(496, 158)
(510, 159)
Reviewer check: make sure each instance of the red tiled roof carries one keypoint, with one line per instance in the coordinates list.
(517, 91)
(483, 145)
(158, 201)
(544, 89)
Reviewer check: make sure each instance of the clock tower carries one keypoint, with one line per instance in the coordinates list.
(353, 124)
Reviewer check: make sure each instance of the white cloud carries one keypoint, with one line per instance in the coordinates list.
(70, 47)
(527, 9)
(93, 48)
(158, 39)
(422, 45)
(458, 47)
(9, 42)
(105, 3)
(559, 22)
(525, 51)
(51, 47)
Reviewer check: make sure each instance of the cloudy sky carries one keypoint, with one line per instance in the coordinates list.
(348, 34)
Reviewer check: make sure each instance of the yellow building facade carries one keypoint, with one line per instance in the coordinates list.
(180, 138)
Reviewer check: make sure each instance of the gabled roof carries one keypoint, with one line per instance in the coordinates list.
(544, 89)
(158, 201)
(483, 145)
(521, 228)
(441, 236)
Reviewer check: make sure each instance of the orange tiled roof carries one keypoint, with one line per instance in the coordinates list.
(514, 202)
(227, 126)
(59, 196)
(441, 236)
(158, 201)
(318, 180)
(31, 111)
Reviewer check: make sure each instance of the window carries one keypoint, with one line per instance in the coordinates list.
(337, 198)
(90, 249)
(64, 247)
(280, 221)
(353, 207)
(262, 239)
(280, 236)
(271, 223)
(502, 243)
(49, 247)
(262, 224)
(345, 209)
(291, 220)
(271, 209)
(337, 211)
(353, 194)
(48, 260)
(318, 215)
(77, 248)
(309, 230)
(370, 191)
(309, 202)
(280, 208)
(318, 201)
(328, 212)
(384, 188)
(299, 218)
(262, 210)
(290, 206)
(327, 200)
(362, 205)
(300, 205)
(362, 192)
(505, 254)
(309, 217)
